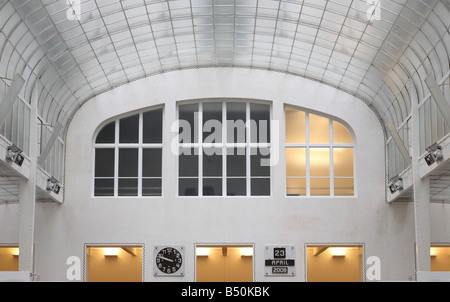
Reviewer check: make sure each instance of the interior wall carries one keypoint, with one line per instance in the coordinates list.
(8, 260)
(387, 231)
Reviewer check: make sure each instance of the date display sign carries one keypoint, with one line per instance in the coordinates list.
(279, 260)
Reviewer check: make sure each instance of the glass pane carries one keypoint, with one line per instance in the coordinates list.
(260, 123)
(188, 162)
(295, 126)
(236, 187)
(296, 186)
(189, 114)
(343, 162)
(129, 129)
(259, 161)
(104, 187)
(260, 186)
(212, 122)
(128, 187)
(151, 187)
(152, 127)
(236, 118)
(320, 187)
(319, 161)
(319, 129)
(104, 162)
(212, 162)
(343, 187)
(236, 162)
(128, 162)
(152, 162)
(341, 135)
(212, 186)
(296, 162)
(188, 187)
(107, 134)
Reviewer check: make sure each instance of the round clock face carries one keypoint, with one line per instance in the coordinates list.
(169, 260)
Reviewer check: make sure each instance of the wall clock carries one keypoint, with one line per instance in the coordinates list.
(169, 261)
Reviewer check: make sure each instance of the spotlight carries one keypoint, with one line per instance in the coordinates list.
(434, 154)
(396, 184)
(53, 185)
(14, 154)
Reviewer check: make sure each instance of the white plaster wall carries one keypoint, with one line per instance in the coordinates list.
(387, 231)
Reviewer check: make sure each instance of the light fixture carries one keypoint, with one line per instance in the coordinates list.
(433, 251)
(15, 252)
(338, 251)
(111, 251)
(396, 184)
(14, 154)
(434, 154)
(202, 251)
(246, 251)
(53, 185)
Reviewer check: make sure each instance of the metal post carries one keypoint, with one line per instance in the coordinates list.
(28, 198)
(421, 194)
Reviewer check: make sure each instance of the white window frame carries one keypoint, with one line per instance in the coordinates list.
(225, 145)
(330, 146)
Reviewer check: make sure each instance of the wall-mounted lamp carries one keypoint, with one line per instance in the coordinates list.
(396, 184)
(53, 185)
(111, 251)
(14, 154)
(246, 251)
(202, 251)
(434, 154)
(338, 251)
(433, 252)
(15, 252)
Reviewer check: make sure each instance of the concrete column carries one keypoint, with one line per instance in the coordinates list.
(28, 198)
(421, 194)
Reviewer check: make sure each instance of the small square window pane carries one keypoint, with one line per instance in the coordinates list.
(212, 186)
(212, 122)
(236, 162)
(295, 126)
(344, 187)
(236, 119)
(188, 186)
(152, 162)
(260, 186)
(236, 187)
(128, 162)
(320, 186)
(188, 162)
(319, 129)
(341, 135)
(296, 187)
(212, 162)
(188, 116)
(104, 162)
(128, 187)
(260, 162)
(319, 161)
(129, 129)
(151, 187)
(152, 127)
(260, 123)
(343, 162)
(104, 187)
(295, 162)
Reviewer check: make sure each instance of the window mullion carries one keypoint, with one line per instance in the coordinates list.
(224, 149)
(248, 149)
(200, 149)
(331, 158)
(116, 160)
(308, 170)
(140, 154)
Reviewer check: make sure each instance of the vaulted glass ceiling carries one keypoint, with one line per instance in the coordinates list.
(78, 51)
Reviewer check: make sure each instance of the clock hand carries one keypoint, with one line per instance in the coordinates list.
(164, 258)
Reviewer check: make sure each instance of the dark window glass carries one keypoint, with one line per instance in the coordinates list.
(212, 122)
(128, 162)
(188, 113)
(260, 123)
(188, 187)
(212, 162)
(107, 134)
(260, 186)
(128, 187)
(236, 162)
(129, 129)
(236, 186)
(236, 118)
(151, 187)
(260, 162)
(104, 162)
(152, 162)
(212, 186)
(188, 163)
(152, 127)
(104, 187)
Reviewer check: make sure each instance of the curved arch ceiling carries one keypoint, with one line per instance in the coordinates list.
(117, 41)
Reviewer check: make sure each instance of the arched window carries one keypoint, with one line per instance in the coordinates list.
(224, 149)
(319, 155)
(128, 156)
